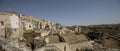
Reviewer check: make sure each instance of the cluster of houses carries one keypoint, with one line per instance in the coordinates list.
(28, 33)
(14, 26)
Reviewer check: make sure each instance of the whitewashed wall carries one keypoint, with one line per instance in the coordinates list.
(14, 21)
(27, 24)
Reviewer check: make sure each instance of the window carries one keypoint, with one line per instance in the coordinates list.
(1, 23)
(15, 29)
(108, 38)
(77, 49)
(29, 26)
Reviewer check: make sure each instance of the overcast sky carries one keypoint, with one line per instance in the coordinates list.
(67, 12)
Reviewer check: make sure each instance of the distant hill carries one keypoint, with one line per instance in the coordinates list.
(104, 28)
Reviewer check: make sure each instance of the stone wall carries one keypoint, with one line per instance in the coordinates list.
(8, 30)
(111, 42)
(78, 45)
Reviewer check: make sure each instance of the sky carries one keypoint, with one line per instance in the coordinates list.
(67, 12)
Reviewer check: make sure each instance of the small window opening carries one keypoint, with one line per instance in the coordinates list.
(1, 23)
(107, 38)
(29, 26)
(15, 29)
(77, 49)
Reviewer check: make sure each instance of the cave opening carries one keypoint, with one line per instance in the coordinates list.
(93, 35)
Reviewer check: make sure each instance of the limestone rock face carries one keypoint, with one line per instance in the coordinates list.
(45, 33)
(2, 32)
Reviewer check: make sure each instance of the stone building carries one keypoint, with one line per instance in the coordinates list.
(78, 46)
(71, 43)
(30, 22)
(28, 33)
(35, 24)
(111, 40)
(28, 26)
(65, 46)
(53, 47)
(68, 37)
(10, 25)
(52, 39)
(58, 26)
(74, 28)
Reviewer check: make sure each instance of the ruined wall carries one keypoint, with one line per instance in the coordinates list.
(66, 46)
(56, 46)
(78, 45)
(111, 42)
(74, 28)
